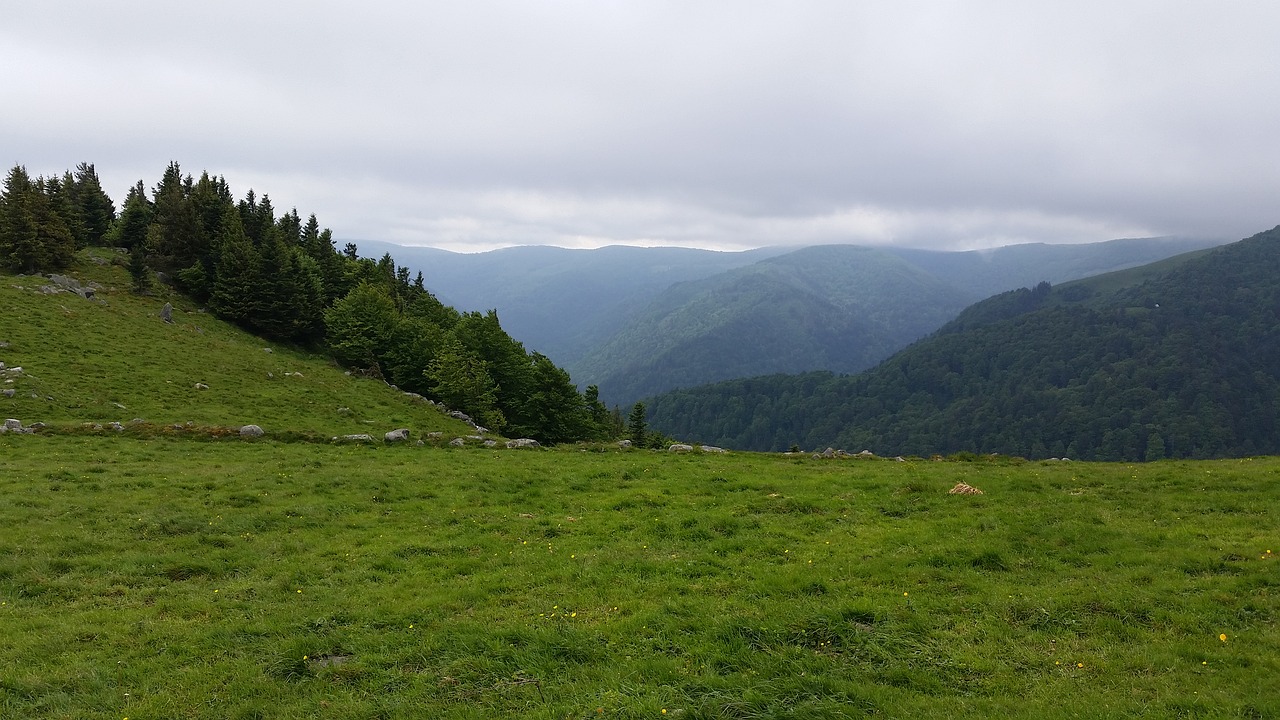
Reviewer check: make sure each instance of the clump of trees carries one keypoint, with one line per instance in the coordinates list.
(283, 278)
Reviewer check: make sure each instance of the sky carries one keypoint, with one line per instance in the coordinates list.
(716, 124)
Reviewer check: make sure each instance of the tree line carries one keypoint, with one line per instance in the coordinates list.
(283, 278)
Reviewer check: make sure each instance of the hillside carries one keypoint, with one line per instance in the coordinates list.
(1178, 360)
(840, 307)
(560, 302)
(636, 321)
(112, 359)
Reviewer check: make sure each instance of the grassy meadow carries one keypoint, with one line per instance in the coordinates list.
(166, 578)
(111, 359)
(166, 572)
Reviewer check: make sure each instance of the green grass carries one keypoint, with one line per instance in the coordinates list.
(112, 360)
(146, 574)
(175, 579)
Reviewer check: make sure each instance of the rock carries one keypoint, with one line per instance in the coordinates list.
(398, 435)
(490, 443)
(13, 424)
(866, 454)
(166, 313)
(829, 453)
(358, 437)
(523, 443)
(457, 442)
(421, 443)
(435, 435)
(116, 426)
(459, 415)
(201, 386)
(624, 443)
(680, 447)
(267, 350)
(712, 449)
(10, 392)
(38, 426)
(481, 430)
(964, 489)
(119, 406)
(251, 431)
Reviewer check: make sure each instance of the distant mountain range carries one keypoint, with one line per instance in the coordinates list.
(1180, 358)
(638, 321)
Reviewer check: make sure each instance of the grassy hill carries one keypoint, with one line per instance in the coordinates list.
(112, 359)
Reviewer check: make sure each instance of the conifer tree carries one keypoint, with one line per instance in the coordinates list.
(637, 427)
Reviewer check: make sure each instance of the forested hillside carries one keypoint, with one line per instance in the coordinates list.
(563, 303)
(1181, 361)
(283, 278)
(636, 321)
(836, 307)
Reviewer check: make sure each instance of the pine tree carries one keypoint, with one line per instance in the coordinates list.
(637, 428)
(33, 237)
(97, 212)
(130, 229)
(138, 270)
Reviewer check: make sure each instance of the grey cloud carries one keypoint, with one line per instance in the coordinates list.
(720, 124)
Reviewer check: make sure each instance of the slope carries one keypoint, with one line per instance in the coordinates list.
(557, 301)
(841, 307)
(112, 359)
(1181, 360)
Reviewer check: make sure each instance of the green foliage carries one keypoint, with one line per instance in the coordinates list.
(359, 326)
(461, 379)
(637, 426)
(284, 280)
(33, 237)
(1180, 363)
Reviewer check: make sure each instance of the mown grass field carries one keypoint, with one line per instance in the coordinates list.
(166, 578)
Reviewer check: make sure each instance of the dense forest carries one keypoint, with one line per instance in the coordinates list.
(1180, 363)
(283, 278)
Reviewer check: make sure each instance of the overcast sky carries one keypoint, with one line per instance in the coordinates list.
(473, 125)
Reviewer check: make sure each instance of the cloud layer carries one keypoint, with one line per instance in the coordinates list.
(719, 124)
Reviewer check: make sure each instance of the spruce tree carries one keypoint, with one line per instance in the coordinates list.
(637, 428)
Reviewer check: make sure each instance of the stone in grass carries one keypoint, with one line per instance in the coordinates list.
(964, 489)
(458, 442)
(680, 447)
(398, 435)
(251, 431)
(10, 392)
(201, 386)
(358, 437)
(523, 443)
(166, 313)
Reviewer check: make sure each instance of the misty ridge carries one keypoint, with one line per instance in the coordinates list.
(641, 321)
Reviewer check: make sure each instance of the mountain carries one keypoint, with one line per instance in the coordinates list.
(839, 307)
(1177, 359)
(560, 302)
(643, 320)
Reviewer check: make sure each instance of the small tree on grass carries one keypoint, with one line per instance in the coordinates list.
(138, 269)
(637, 428)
